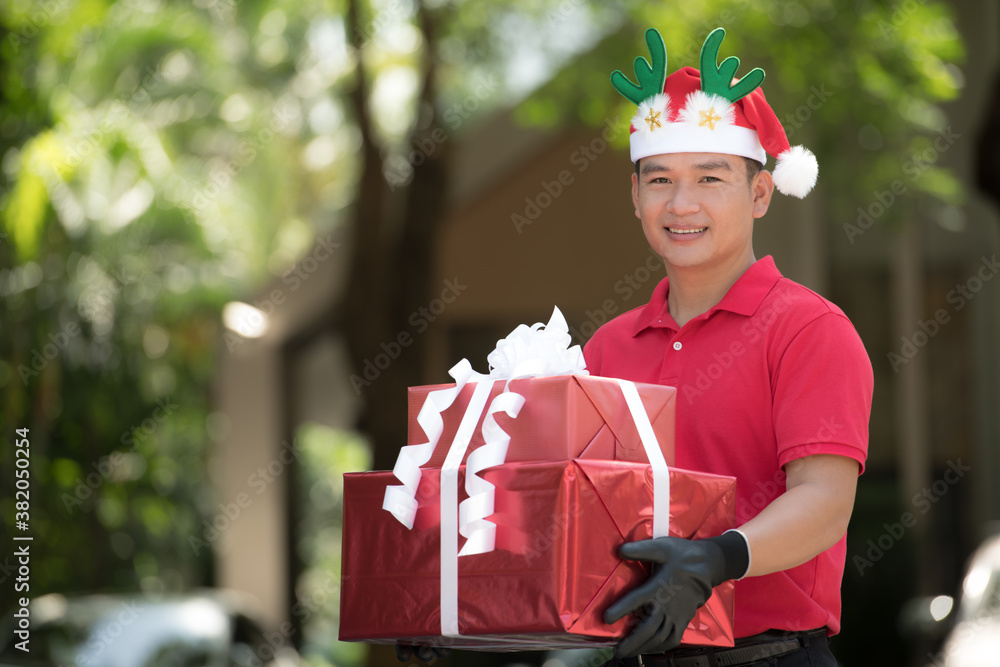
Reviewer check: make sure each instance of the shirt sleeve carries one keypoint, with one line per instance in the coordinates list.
(822, 392)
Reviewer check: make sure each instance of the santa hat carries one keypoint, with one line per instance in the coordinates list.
(710, 112)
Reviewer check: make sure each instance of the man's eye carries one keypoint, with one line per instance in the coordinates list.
(710, 179)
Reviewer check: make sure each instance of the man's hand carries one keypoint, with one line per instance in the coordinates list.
(684, 574)
(428, 654)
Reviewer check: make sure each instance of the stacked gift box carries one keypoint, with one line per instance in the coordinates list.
(574, 485)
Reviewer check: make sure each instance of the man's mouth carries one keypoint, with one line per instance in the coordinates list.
(677, 230)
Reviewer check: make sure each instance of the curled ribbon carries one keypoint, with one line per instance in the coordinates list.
(474, 510)
(538, 350)
(541, 350)
(535, 351)
(401, 500)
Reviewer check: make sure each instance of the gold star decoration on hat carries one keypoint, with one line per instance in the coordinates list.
(709, 118)
(653, 119)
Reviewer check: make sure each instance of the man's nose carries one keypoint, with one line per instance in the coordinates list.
(684, 200)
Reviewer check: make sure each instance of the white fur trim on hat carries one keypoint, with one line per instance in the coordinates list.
(688, 138)
(652, 115)
(796, 171)
(707, 110)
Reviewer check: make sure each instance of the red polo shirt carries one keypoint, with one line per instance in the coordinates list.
(772, 373)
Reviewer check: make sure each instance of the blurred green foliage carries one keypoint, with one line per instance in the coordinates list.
(152, 171)
(326, 456)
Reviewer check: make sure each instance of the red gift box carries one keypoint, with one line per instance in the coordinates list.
(554, 570)
(564, 417)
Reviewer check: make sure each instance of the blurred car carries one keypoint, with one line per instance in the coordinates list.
(974, 641)
(970, 632)
(208, 629)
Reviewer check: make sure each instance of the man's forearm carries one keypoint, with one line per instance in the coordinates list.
(809, 518)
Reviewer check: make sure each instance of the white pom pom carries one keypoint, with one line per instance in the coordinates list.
(796, 172)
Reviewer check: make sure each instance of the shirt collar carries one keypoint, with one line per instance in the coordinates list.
(743, 298)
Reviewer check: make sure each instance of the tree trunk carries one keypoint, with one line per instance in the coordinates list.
(393, 264)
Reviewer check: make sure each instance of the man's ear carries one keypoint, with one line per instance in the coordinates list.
(635, 193)
(762, 189)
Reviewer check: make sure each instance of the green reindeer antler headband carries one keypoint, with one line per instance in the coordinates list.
(715, 79)
(650, 77)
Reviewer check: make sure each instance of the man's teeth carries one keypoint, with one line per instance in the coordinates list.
(687, 231)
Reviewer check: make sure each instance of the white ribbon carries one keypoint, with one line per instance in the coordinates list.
(480, 533)
(401, 501)
(661, 473)
(449, 508)
(539, 350)
(479, 505)
(536, 351)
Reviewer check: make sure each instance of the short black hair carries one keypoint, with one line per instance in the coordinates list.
(753, 168)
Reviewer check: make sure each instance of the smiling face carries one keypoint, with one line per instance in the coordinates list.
(697, 209)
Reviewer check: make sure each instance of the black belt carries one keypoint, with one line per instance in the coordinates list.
(766, 645)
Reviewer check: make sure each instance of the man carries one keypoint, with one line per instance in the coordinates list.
(774, 384)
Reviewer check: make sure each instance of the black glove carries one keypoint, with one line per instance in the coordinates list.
(684, 574)
(428, 654)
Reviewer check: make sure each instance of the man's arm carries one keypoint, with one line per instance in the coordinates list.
(809, 518)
